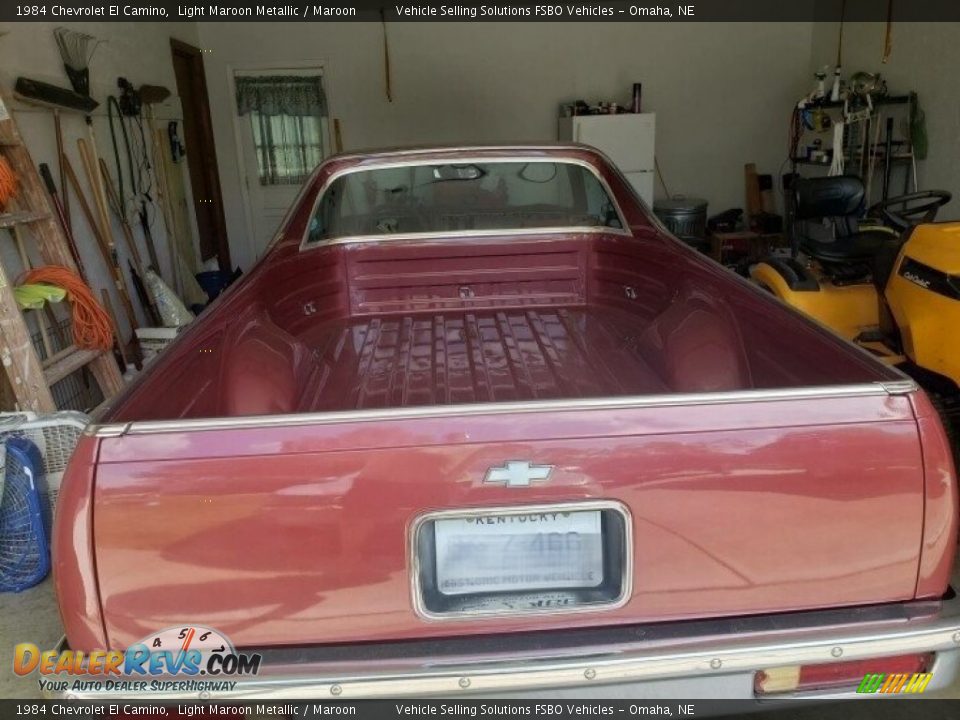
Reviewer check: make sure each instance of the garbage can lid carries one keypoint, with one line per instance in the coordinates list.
(680, 203)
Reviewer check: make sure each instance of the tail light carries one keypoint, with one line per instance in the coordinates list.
(896, 675)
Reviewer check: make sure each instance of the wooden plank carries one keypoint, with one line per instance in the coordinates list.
(170, 174)
(57, 356)
(67, 364)
(13, 219)
(19, 359)
(46, 231)
(107, 374)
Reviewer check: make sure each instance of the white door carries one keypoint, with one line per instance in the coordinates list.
(301, 142)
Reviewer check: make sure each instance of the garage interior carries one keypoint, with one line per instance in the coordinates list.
(178, 185)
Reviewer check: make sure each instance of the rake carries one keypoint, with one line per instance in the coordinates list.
(76, 51)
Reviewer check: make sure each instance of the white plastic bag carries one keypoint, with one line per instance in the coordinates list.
(173, 312)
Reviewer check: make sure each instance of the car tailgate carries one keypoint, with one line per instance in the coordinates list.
(295, 530)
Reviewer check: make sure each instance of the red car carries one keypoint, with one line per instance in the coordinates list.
(478, 423)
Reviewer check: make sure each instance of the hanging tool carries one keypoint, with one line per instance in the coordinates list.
(129, 105)
(119, 351)
(61, 214)
(150, 96)
(112, 262)
(44, 94)
(136, 267)
(176, 147)
(58, 131)
(108, 248)
(888, 159)
(144, 294)
(92, 169)
(76, 51)
(837, 160)
(185, 255)
(888, 34)
(387, 80)
(837, 71)
(871, 165)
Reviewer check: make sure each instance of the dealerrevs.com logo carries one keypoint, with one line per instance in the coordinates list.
(190, 658)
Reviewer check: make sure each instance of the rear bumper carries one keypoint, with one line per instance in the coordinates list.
(697, 659)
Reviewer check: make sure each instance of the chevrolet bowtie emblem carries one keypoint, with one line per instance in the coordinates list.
(517, 474)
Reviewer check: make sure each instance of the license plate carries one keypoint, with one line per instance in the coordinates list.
(517, 552)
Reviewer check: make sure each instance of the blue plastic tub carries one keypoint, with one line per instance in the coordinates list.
(24, 551)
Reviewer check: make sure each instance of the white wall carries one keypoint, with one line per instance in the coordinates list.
(722, 92)
(138, 51)
(925, 58)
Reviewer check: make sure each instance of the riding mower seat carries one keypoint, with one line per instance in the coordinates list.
(861, 247)
(852, 252)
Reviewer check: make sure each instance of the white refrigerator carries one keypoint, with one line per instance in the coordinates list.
(627, 139)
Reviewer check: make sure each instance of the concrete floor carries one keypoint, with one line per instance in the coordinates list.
(31, 616)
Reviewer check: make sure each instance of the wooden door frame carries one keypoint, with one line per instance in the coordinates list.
(210, 166)
(321, 64)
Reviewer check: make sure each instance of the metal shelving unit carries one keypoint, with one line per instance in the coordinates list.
(855, 158)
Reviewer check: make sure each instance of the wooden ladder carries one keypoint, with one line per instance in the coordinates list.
(30, 378)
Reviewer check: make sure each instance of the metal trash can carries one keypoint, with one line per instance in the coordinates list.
(683, 216)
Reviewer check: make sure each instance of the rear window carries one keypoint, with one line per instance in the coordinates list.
(462, 197)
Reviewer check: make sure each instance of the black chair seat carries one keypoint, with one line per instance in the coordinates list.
(856, 248)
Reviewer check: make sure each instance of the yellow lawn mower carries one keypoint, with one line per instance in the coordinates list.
(890, 283)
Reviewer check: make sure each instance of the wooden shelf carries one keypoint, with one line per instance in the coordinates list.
(879, 102)
(878, 159)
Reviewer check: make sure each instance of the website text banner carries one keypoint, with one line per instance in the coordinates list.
(426, 10)
(463, 708)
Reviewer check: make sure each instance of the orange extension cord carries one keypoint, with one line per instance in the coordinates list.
(8, 182)
(92, 327)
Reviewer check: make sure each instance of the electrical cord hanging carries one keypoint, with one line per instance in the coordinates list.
(8, 182)
(656, 165)
(114, 106)
(92, 326)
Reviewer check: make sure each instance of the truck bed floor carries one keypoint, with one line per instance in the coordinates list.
(478, 356)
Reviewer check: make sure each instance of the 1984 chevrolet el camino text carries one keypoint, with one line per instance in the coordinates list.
(477, 423)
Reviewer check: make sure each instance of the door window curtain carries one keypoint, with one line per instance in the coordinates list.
(287, 115)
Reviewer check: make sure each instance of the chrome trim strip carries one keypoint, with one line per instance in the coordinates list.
(455, 236)
(413, 557)
(441, 149)
(704, 656)
(624, 228)
(440, 411)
